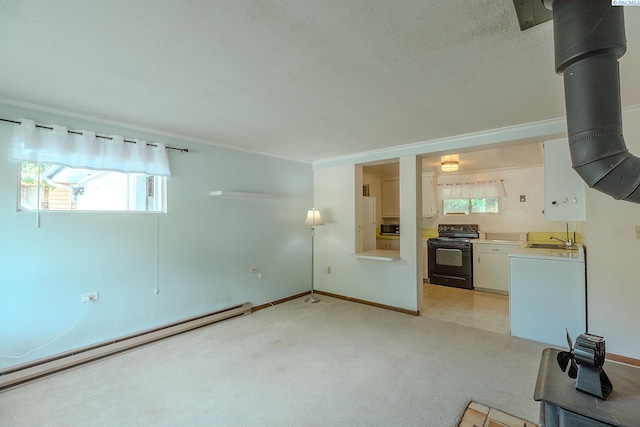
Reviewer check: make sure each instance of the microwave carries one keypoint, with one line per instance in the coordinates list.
(389, 230)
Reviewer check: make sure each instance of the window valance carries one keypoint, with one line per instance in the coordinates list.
(472, 190)
(86, 150)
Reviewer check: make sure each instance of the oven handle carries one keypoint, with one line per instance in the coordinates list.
(458, 246)
(450, 249)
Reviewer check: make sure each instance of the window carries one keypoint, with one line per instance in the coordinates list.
(471, 197)
(467, 206)
(61, 188)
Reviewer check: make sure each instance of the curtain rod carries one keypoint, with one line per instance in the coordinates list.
(473, 182)
(75, 132)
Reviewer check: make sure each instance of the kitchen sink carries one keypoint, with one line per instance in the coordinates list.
(548, 246)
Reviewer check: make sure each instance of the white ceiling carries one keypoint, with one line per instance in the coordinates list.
(508, 156)
(303, 79)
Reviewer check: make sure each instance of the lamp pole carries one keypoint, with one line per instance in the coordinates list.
(312, 298)
(313, 220)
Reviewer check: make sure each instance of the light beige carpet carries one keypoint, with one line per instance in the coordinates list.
(477, 415)
(333, 363)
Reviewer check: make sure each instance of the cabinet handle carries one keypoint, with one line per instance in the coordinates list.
(478, 258)
(495, 250)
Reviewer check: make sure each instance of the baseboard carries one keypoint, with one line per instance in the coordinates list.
(19, 374)
(276, 302)
(623, 359)
(373, 304)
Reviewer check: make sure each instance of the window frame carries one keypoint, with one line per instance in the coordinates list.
(470, 206)
(160, 184)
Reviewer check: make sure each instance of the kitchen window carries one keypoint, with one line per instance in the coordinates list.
(471, 206)
(49, 187)
(480, 197)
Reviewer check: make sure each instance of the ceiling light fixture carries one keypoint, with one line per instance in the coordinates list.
(449, 166)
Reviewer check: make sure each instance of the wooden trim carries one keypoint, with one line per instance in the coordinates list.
(623, 359)
(373, 304)
(38, 368)
(280, 301)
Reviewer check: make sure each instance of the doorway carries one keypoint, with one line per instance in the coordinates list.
(476, 309)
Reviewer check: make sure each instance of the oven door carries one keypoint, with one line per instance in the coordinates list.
(450, 263)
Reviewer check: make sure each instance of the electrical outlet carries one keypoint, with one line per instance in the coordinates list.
(253, 270)
(90, 297)
(328, 270)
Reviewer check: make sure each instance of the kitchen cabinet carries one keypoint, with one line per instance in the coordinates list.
(564, 190)
(547, 294)
(429, 204)
(491, 266)
(391, 198)
(388, 244)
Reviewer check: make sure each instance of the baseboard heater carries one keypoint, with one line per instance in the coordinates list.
(21, 373)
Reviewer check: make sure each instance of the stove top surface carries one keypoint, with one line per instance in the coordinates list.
(469, 231)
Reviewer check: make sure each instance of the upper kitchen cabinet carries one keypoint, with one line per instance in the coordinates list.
(429, 205)
(564, 190)
(391, 198)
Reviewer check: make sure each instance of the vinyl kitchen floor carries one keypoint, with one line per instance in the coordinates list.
(481, 310)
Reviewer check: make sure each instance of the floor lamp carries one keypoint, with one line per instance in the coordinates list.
(313, 220)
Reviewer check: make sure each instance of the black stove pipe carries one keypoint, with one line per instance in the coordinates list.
(589, 39)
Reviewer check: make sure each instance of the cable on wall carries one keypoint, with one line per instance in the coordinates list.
(38, 199)
(86, 305)
(264, 292)
(156, 290)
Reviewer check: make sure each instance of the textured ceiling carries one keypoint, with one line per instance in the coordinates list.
(296, 78)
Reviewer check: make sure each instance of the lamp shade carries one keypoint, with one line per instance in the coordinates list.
(313, 218)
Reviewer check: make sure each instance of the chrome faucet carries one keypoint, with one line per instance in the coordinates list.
(568, 243)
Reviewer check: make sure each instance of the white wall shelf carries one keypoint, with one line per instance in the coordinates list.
(222, 193)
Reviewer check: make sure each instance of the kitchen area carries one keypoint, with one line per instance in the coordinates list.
(502, 238)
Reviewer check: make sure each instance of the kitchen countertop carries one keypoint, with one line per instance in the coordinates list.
(573, 255)
(388, 236)
(379, 255)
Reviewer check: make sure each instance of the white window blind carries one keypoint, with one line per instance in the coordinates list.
(472, 190)
(86, 150)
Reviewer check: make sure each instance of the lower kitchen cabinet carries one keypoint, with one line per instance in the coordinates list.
(491, 267)
(388, 244)
(548, 296)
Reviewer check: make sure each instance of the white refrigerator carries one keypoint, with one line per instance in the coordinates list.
(368, 223)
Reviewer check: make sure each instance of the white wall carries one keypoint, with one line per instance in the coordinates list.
(613, 253)
(514, 215)
(205, 249)
(392, 283)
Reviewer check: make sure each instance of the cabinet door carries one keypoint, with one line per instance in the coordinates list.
(428, 195)
(564, 190)
(546, 297)
(391, 198)
(491, 267)
(388, 244)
